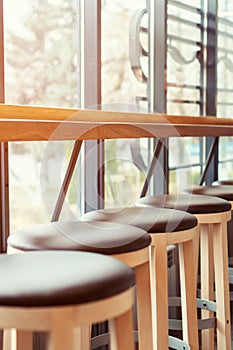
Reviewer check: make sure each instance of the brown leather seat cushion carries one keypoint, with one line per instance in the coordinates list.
(224, 192)
(98, 237)
(192, 203)
(153, 220)
(60, 278)
(223, 182)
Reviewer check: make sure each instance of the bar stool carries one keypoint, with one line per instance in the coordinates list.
(224, 192)
(165, 226)
(212, 214)
(61, 292)
(128, 244)
(221, 191)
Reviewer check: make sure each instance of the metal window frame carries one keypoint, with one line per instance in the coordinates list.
(211, 87)
(89, 90)
(4, 174)
(157, 98)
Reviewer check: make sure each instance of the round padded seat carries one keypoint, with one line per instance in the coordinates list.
(193, 203)
(60, 278)
(223, 182)
(152, 220)
(224, 192)
(97, 237)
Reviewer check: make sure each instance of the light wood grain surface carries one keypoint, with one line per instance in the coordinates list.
(29, 123)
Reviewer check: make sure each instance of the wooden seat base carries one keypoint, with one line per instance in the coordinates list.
(65, 324)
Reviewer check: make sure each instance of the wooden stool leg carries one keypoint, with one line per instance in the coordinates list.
(24, 340)
(188, 293)
(196, 252)
(160, 293)
(60, 340)
(85, 335)
(61, 335)
(7, 339)
(222, 286)
(17, 339)
(144, 311)
(207, 280)
(121, 332)
(82, 338)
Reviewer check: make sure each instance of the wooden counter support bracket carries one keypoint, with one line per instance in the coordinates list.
(208, 161)
(66, 181)
(151, 168)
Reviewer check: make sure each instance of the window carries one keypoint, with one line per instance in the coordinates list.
(124, 167)
(40, 69)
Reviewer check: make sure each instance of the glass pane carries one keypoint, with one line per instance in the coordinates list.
(40, 69)
(184, 88)
(184, 159)
(122, 89)
(190, 176)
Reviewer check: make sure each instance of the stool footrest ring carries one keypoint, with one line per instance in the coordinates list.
(201, 303)
(177, 344)
(176, 325)
(104, 339)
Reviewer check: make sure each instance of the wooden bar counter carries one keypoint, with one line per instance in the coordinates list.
(27, 123)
